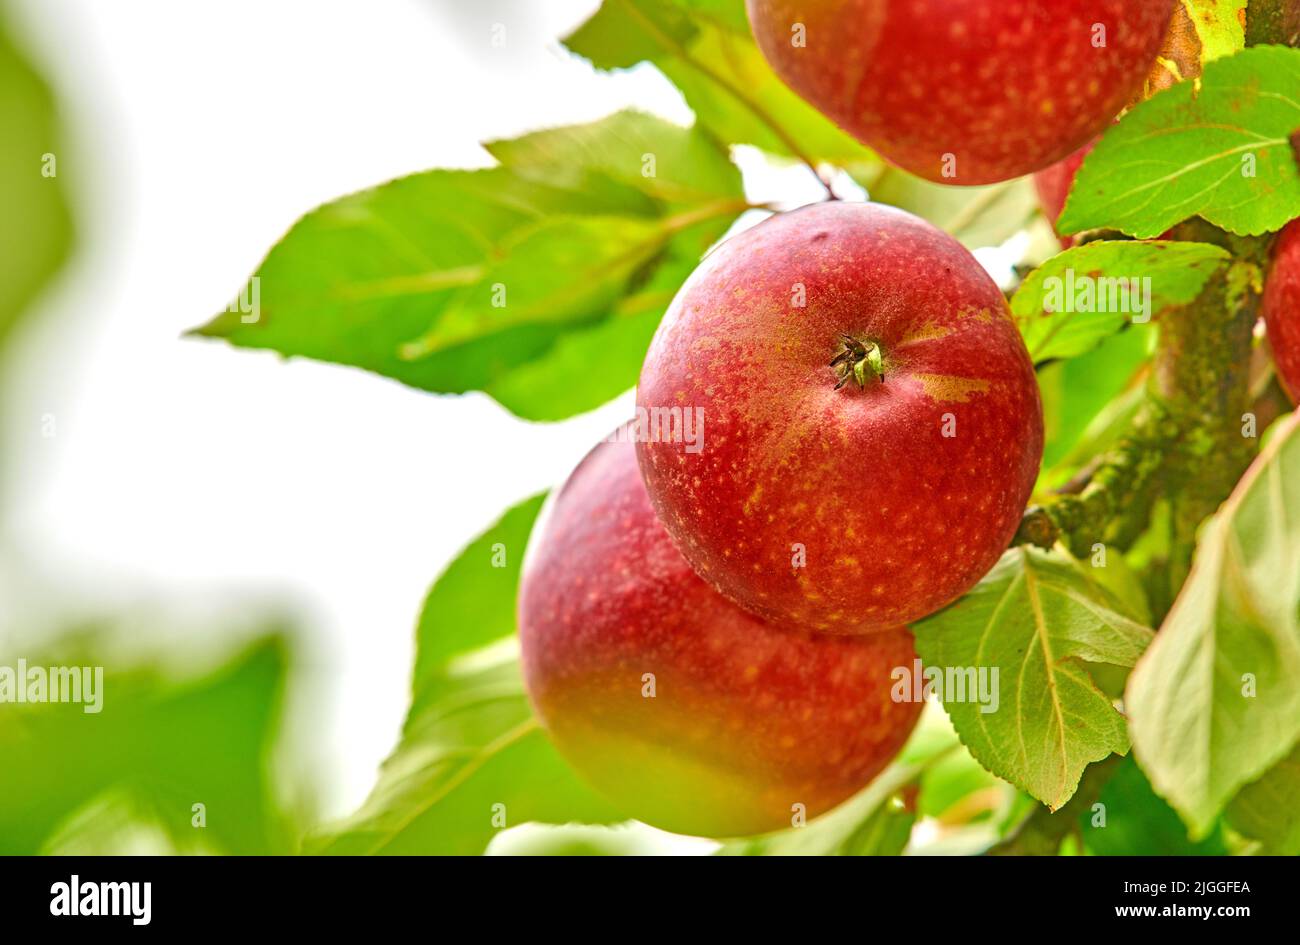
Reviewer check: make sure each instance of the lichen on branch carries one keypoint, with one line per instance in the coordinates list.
(1188, 443)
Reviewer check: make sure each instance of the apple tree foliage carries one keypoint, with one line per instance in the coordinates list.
(36, 228)
(1146, 664)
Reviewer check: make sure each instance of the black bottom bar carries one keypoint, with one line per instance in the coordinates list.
(215, 895)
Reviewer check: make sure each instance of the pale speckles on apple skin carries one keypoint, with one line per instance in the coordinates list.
(883, 72)
(788, 459)
(749, 717)
(929, 331)
(942, 388)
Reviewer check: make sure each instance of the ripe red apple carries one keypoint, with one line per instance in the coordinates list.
(1282, 308)
(866, 455)
(965, 91)
(745, 721)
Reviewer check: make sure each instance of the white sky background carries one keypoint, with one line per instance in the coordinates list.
(189, 471)
(196, 473)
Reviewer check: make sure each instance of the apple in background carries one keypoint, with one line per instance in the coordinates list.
(746, 719)
(871, 424)
(1282, 308)
(1053, 187)
(965, 91)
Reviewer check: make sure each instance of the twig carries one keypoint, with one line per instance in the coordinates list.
(757, 110)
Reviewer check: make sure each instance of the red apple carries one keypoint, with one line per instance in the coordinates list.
(1282, 308)
(866, 456)
(746, 720)
(965, 91)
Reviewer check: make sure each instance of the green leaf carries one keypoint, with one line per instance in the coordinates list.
(1266, 810)
(453, 281)
(620, 34)
(952, 780)
(1139, 823)
(472, 603)
(630, 839)
(726, 81)
(161, 744)
(1187, 150)
(679, 166)
(726, 14)
(584, 368)
(1220, 26)
(1079, 297)
(1213, 704)
(1088, 399)
(971, 806)
(977, 216)
(592, 365)
(560, 270)
(1039, 621)
(36, 226)
(356, 279)
(472, 761)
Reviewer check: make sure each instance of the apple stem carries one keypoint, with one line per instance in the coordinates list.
(854, 358)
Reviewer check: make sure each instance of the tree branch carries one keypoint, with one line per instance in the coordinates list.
(1273, 21)
(754, 108)
(1186, 443)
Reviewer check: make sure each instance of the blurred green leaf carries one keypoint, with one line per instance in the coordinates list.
(454, 281)
(1080, 395)
(951, 780)
(1138, 823)
(1079, 297)
(977, 216)
(705, 48)
(1267, 810)
(36, 226)
(163, 744)
(620, 34)
(472, 759)
(116, 823)
(472, 604)
(727, 14)
(575, 840)
(1039, 621)
(1187, 150)
(1213, 704)
(1088, 400)
(967, 808)
(1119, 579)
